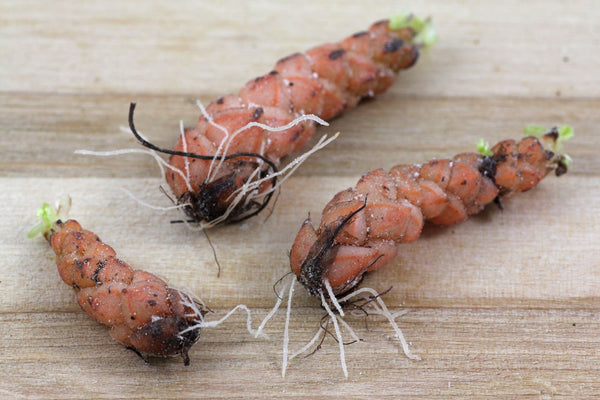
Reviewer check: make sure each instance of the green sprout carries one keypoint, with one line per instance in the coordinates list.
(483, 148)
(567, 160)
(425, 33)
(535, 130)
(565, 133)
(47, 218)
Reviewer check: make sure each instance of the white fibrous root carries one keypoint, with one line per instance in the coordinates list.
(373, 304)
(198, 313)
(380, 308)
(163, 165)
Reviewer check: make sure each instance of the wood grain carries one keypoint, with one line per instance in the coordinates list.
(505, 305)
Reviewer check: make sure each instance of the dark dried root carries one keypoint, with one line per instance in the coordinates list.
(280, 297)
(327, 320)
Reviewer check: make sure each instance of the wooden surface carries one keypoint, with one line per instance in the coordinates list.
(505, 305)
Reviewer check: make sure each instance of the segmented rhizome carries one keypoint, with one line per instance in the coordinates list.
(325, 81)
(142, 311)
(361, 227)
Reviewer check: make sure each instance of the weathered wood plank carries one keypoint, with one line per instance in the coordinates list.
(482, 353)
(395, 128)
(504, 305)
(506, 48)
(541, 248)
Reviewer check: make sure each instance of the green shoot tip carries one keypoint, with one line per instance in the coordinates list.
(483, 148)
(47, 218)
(534, 130)
(425, 33)
(565, 133)
(558, 137)
(567, 160)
